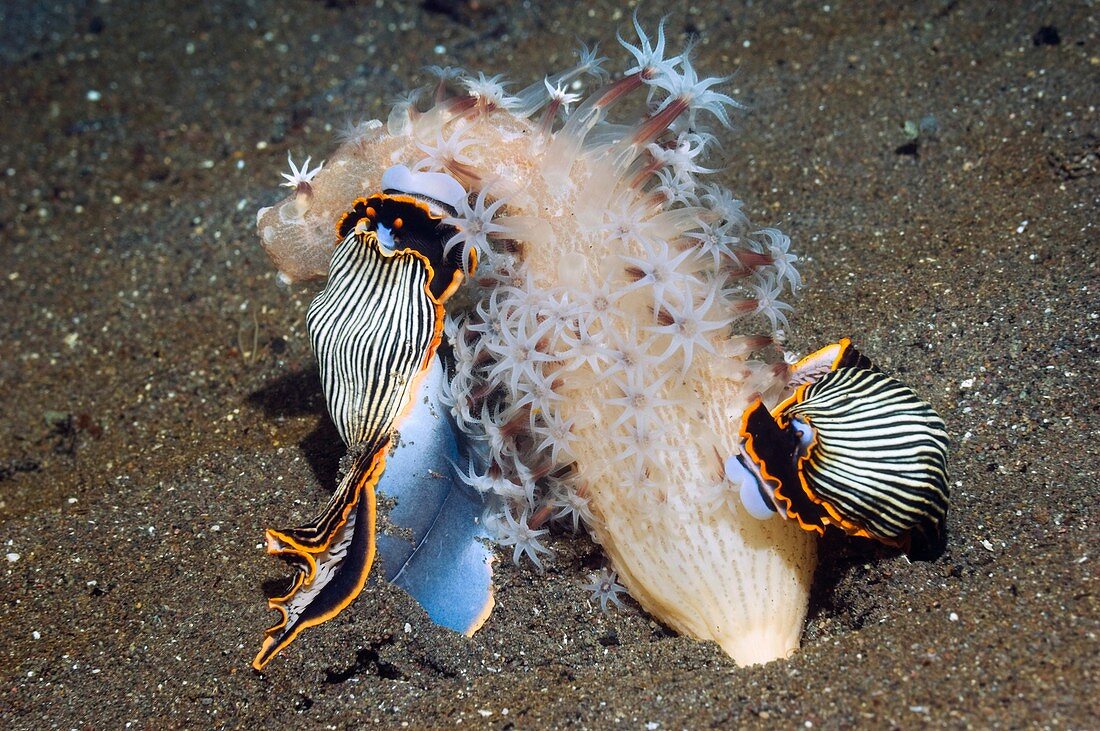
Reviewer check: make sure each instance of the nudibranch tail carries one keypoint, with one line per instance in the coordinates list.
(854, 448)
(332, 572)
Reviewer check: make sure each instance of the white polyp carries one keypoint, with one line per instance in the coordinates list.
(438, 186)
(749, 485)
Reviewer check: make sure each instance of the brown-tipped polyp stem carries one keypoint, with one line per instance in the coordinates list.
(537, 520)
(754, 259)
(467, 175)
(743, 306)
(619, 89)
(459, 105)
(547, 121)
(655, 125)
(638, 181)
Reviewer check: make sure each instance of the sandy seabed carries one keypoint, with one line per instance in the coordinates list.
(161, 405)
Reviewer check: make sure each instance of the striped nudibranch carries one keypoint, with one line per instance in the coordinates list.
(375, 329)
(850, 447)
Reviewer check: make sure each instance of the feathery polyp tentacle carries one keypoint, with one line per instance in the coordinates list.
(610, 171)
(563, 151)
(533, 97)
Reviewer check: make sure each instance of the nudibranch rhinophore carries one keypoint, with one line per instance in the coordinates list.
(850, 447)
(610, 319)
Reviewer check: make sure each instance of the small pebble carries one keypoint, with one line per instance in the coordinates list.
(13, 557)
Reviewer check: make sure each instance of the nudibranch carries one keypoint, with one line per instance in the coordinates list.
(610, 320)
(850, 447)
(375, 329)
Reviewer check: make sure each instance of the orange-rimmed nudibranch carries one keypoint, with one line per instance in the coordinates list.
(850, 447)
(375, 329)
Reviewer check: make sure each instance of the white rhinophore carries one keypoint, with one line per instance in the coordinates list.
(437, 186)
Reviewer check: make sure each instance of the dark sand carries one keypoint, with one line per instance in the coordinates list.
(136, 301)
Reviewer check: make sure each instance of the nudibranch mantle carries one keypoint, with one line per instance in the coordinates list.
(623, 317)
(850, 447)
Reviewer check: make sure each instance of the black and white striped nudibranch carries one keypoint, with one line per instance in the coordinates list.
(380, 318)
(375, 329)
(851, 447)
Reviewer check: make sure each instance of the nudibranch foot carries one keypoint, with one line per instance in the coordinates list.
(439, 553)
(853, 448)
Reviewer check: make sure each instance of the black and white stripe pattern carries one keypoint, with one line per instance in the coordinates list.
(372, 329)
(880, 454)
